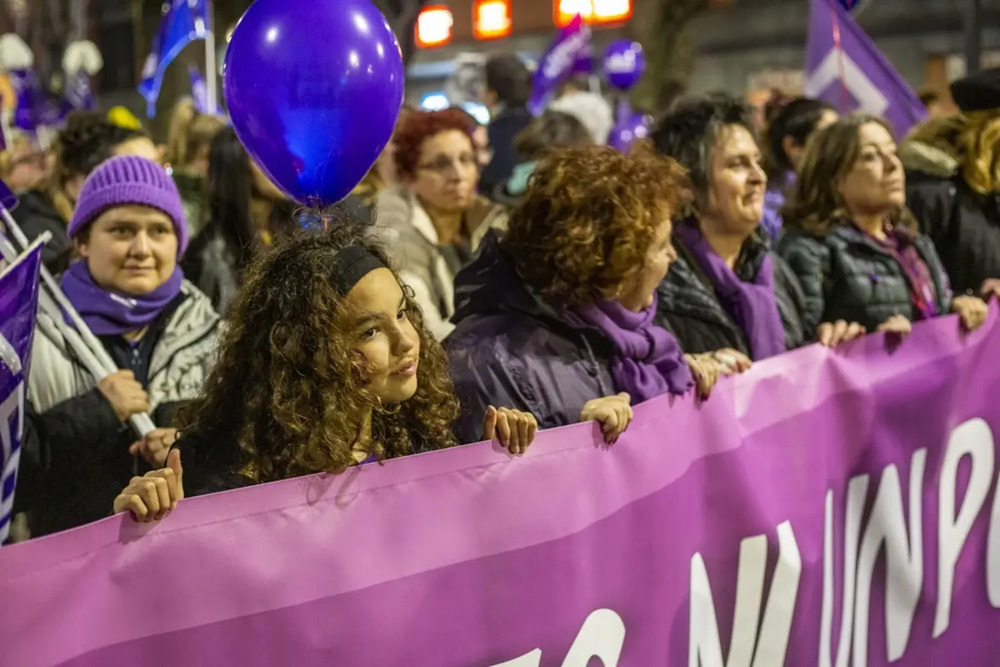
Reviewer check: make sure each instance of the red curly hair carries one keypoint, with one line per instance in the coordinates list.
(419, 126)
(585, 223)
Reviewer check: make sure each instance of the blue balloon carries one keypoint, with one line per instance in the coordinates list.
(314, 90)
(624, 63)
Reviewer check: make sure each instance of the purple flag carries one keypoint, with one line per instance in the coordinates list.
(29, 99)
(828, 507)
(844, 68)
(78, 92)
(199, 90)
(18, 306)
(569, 54)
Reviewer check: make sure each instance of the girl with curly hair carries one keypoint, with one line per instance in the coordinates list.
(556, 318)
(326, 364)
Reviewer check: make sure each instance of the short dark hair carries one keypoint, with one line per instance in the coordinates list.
(509, 78)
(687, 133)
(89, 139)
(796, 118)
(551, 131)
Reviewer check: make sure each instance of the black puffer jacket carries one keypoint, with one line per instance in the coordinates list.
(689, 308)
(964, 226)
(848, 276)
(35, 214)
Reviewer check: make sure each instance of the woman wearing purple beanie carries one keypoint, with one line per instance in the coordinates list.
(128, 232)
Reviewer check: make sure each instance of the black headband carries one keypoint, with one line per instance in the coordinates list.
(352, 264)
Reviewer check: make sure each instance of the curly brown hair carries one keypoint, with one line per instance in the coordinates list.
(288, 387)
(815, 205)
(587, 219)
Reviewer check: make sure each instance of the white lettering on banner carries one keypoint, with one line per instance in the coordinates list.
(993, 550)
(975, 440)
(857, 491)
(748, 646)
(602, 636)
(904, 555)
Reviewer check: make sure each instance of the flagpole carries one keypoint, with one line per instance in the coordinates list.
(210, 73)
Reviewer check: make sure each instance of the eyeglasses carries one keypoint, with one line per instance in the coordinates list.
(441, 165)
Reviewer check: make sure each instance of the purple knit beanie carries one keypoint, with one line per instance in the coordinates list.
(129, 179)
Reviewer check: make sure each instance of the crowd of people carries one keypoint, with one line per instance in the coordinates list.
(481, 283)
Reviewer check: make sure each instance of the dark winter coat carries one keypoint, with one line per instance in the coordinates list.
(512, 349)
(964, 226)
(848, 276)
(211, 266)
(35, 214)
(502, 131)
(84, 447)
(689, 308)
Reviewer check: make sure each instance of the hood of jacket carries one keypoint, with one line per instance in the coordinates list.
(490, 285)
(923, 158)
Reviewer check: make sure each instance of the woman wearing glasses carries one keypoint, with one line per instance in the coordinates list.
(435, 220)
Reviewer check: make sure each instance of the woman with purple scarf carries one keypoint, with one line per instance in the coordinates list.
(129, 232)
(727, 294)
(556, 317)
(856, 248)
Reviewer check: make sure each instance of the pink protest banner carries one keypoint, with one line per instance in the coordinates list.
(756, 529)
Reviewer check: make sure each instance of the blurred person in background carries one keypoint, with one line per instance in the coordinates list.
(961, 212)
(87, 140)
(551, 131)
(857, 250)
(790, 123)
(556, 317)
(591, 109)
(244, 212)
(23, 165)
(508, 89)
(728, 294)
(436, 220)
(129, 232)
(188, 141)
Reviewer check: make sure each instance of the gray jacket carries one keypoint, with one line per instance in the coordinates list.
(411, 240)
(182, 359)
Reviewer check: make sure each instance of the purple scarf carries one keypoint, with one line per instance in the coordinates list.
(109, 314)
(649, 362)
(753, 306)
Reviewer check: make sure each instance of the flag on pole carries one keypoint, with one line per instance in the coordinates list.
(183, 21)
(18, 307)
(199, 90)
(568, 54)
(844, 68)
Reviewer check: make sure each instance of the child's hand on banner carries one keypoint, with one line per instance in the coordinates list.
(152, 496)
(514, 429)
(613, 413)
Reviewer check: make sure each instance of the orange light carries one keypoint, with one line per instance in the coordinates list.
(592, 11)
(491, 19)
(434, 26)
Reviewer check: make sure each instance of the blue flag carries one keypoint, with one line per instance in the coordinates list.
(568, 54)
(18, 307)
(844, 68)
(183, 21)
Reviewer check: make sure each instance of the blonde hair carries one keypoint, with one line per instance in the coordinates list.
(980, 141)
(190, 131)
